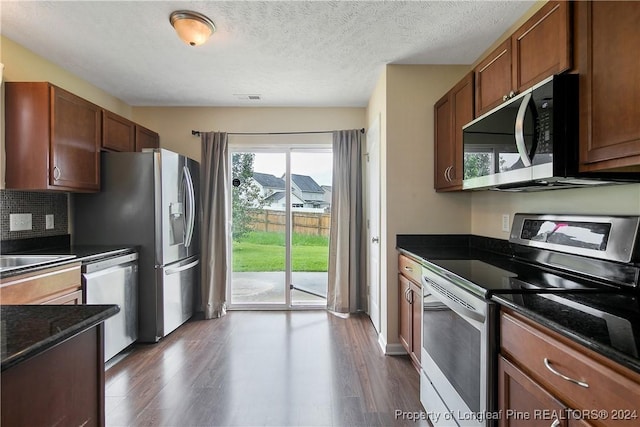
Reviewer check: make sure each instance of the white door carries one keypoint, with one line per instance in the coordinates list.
(373, 220)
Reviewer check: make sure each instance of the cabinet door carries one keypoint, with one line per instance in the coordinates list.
(404, 287)
(416, 322)
(146, 138)
(493, 78)
(607, 38)
(73, 298)
(452, 112)
(526, 402)
(542, 46)
(75, 142)
(443, 145)
(118, 133)
(462, 113)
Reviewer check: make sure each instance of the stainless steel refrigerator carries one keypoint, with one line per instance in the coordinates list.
(149, 200)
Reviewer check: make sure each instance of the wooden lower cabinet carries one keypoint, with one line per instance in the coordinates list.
(410, 308)
(525, 402)
(55, 285)
(586, 388)
(62, 386)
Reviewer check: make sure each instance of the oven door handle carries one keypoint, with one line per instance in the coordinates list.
(431, 303)
(457, 306)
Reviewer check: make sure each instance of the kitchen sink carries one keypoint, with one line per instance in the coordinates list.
(12, 262)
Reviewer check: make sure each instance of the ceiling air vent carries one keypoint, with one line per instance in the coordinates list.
(247, 97)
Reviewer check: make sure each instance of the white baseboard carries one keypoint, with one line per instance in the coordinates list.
(382, 343)
(395, 350)
(390, 349)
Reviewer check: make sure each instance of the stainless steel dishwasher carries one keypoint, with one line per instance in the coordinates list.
(114, 280)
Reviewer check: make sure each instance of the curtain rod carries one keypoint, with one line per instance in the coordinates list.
(197, 132)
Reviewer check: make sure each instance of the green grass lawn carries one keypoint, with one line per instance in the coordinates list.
(260, 251)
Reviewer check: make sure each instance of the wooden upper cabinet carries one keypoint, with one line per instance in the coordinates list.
(607, 36)
(493, 79)
(118, 133)
(146, 138)
(52, 139)
(452, 112)
(540, 48)
(443, 141)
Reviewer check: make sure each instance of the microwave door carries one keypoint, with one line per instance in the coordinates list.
(492, 153)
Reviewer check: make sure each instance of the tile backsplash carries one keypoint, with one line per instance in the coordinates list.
(38, 204)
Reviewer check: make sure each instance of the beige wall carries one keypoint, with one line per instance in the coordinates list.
(174, 124)
(488, 206)
(23, 65)
(409, 202)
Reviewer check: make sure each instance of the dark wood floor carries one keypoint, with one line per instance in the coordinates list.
(264, 368)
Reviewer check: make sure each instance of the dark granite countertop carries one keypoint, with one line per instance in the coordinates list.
(80, 253)
(606, 320)
(28, 330)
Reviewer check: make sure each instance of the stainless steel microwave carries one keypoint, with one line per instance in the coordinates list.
(532, 137)
(528, 143)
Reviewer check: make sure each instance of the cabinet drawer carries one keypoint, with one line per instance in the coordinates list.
(606, 385)
(410, 268)
(42, 286)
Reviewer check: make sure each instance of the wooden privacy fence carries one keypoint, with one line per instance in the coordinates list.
(312, 223)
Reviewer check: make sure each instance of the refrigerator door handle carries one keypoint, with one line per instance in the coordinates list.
(191, 202)
(170, 271)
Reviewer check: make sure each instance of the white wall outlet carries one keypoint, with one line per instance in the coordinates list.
(20, 222)
(506, 224)
(48, 219)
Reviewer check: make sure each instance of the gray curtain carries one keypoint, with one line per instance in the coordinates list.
(214, 174)
(347, 264)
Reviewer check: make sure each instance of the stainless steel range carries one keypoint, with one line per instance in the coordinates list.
(588, 265)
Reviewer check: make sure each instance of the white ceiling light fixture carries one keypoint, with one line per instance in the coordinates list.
(192, 27)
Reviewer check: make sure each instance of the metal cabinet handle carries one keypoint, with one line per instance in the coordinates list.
(56, 173)
(555, 423)
(406, 267)
(447, 173)
(547, 363)
(508, 96)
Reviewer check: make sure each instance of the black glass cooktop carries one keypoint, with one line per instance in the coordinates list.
(507, 275)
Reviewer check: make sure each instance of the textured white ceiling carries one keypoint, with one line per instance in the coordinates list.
(291, 53)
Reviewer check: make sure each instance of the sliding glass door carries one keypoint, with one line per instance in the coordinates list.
(281, 214)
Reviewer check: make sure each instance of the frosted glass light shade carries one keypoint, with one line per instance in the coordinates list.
(192, 27)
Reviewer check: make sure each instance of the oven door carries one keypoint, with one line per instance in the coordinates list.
(457, 342)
